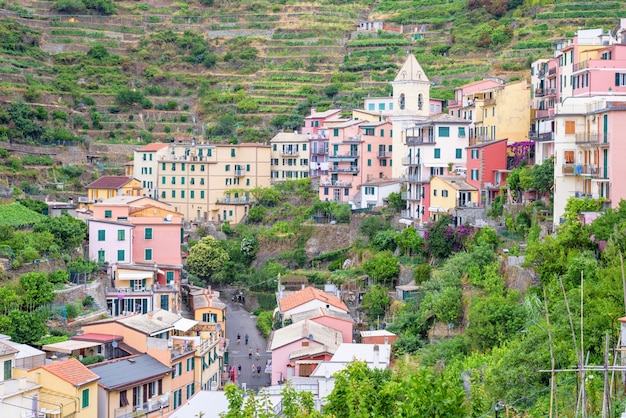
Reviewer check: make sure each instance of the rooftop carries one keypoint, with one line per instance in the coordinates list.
(101, 338)
(308, 294)
(109, 182)
(306, 329)
(120, 374)
(290, 137)
(6, 349)
(72, 371)
(155, 146)
(319, 312)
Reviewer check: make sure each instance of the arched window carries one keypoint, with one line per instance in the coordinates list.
(402, 101)
(419, 101)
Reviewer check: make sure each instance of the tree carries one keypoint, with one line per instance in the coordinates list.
(23, 327)
(543, 176)
(372, 224)
(409, 241)
(68, 232)
(376, 302)
(438, 242)
(206, 257)
(385, 240)
(36, 290)
(395, 202)
(382, 267)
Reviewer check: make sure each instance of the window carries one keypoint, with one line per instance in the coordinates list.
(444, 193)
(192, 194)
(121, 235)
(474, 174)
(190, 364)
(335, 132)
(232, 152)
(163, 194)
(173, 193)
(147, 233)
(148, 254)
(461, 132)
(123, 399)
(182, 180)
(190, 390)
(201, 194)
(382, 132)
(120, 255)
(201, 181)
(247, 167)
(325, 191)
(437, 152)
(371, 106)
(570, 127)
(620, 79)
(474, 154)
(383, 163)
(381, 106)
(182, 166)
(369, 163)
(163, 167)
(100, 256)
(209, 317)
(369, 147)
(435, 192)
(568, 157)
(173, 180)
(459, 153)
(178, 398)
(227, 168)
(401, 101)
(390, 148)
(193, 167)
(169, 276)
(108, 214)
(85, 398)
(182, 194)
(247, 182)
(163, 180)
(101, 235)
(274, 147)
(444, 131)
(8, 369)
(173, 166)
(346, 191)
(202, 168)
(144, 157)
(230, 213)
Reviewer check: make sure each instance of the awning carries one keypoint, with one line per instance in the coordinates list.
(437, 209)
(184, 324)
(405, 221)
(68, 346)
(308, 361)
(135, 275)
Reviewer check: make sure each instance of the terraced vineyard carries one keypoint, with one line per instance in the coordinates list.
(163, 70)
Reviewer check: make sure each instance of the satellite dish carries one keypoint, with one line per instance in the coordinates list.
(168, 218)
(310, 337)
(114, 344)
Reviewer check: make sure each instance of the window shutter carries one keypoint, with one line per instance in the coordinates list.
(617, 79)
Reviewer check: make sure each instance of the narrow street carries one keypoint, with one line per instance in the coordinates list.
(240, 322)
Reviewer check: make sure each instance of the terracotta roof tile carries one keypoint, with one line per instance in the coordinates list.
(109, 182)
(72, 371)
(155, 146)
(308, 294)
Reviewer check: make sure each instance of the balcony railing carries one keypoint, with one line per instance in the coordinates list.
(412, 196)
(289, 153)
(552, 71)
(347, 155)
(550, 92)
(406, 214)
(581, 65)
(154, 404)
(587, 139)
(239, 173)
(411, 161)
(452, 103)
(412, 178)
(335, 183)
(351, 169)
(570, 169)
(352, 138)
(234, 200)
(187, 158)
(404, 195)
(136, 289)
(418, 140)
(539, 92)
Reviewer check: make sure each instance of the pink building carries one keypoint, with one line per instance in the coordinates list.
(487, 168)
(340, 321)
(140, 240)
(315, 120)
(298, 348)
(307, 299)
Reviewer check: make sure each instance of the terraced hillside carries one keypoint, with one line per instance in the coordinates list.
(158, 70)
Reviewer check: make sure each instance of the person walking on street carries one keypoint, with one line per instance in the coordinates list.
(258, 354)
(246, 337)
(253, 369)
(249, 352)
(258, 369)
(239, 369)
(238, 338)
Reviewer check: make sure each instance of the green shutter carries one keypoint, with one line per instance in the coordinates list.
(85, 399)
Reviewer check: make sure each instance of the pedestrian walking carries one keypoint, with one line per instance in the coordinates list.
(258, 369)
(249, 352)
(258, 354)
(239, 369)
(238, 338)
(253, 370)
(246, 337)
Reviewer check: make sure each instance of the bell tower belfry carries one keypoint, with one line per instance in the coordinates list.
(411, 104)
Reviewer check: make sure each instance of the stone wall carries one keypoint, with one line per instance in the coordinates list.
(44, 266)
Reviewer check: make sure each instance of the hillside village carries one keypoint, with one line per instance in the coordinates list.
(446, 160)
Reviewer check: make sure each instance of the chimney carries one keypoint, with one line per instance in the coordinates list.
(21, 384)
(386, 340)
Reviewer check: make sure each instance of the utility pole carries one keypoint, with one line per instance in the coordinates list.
(553, 376)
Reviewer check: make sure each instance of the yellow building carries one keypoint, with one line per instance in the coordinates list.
(19, 394)
(207, 307)
(69, 389)
(290, 156)
(208, 182)
(110, 186)
(449, 195)
(502, 111)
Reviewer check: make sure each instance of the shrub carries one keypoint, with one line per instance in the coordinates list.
(92, 359)
(59, 276)
(264, 323)
(71, 310)
(421, 273)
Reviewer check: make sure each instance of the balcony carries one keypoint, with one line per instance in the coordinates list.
(414, 178)
(317, 151)
(383, 154)
(418, 140)
(406, 214)
(490, 102)
(154, 404)
(239, 173)
(129, 290)
(544, 113)
(411, 161)
(452, 103)
(346, 156)
(289, 153)
(465, 204)
(545, 137)
(491, 186)
(404, 195)
(352, 138)
(587, 139)
(335, 183)
(570, 169)
(412, 196)
(234, 200)
(581, 65)
(350, 169)
(552, 71)
(539, 92)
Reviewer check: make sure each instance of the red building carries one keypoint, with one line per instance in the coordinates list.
(487, 168)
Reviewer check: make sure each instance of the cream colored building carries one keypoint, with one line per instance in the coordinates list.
(290, 156)
(144, 168)
(209, 182)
